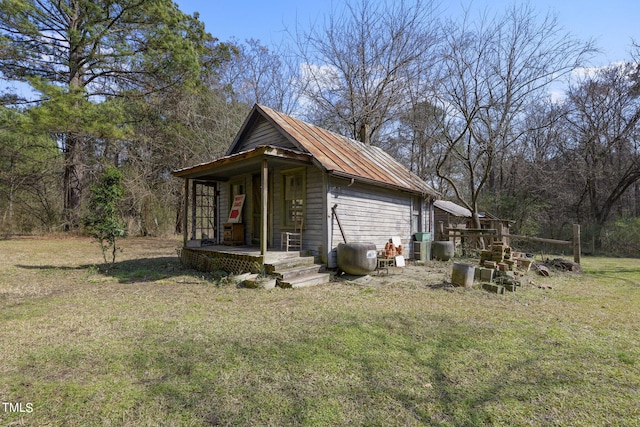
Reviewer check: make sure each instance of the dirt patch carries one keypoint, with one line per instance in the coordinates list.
(432, 273)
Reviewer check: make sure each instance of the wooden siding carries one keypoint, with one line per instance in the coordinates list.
(312, 238)
(448, 219)
(370, 214)
(263, 133)
(312, 232)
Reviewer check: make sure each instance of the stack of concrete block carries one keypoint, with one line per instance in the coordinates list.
(509, 283)
(484, 274)
(501, 284)
(498, 254)
(497, 265)
(492, 287)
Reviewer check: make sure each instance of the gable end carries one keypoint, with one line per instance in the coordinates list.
(261, 133)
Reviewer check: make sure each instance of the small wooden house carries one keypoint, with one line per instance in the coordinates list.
(284, 174)
(451, 214)
(454, 216)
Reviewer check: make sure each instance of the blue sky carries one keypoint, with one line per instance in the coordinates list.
(612, 24)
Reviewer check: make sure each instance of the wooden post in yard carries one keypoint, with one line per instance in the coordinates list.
(576, 243)
(441, 231)
(501, 235)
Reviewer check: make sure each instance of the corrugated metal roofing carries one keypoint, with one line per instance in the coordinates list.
(452, 208)
(343, 156)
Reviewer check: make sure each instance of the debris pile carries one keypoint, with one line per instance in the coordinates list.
(502, 258)
(559, 264)
(500, 268)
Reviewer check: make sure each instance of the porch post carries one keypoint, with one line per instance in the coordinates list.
(264, 183)
(194, 210)
(185, 212)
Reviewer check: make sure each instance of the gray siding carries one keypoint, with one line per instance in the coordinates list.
(312, 238)
(370, 214)
(312, 232)
(263, 133)
(367, 213)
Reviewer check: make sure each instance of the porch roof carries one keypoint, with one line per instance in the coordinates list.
(226, 167)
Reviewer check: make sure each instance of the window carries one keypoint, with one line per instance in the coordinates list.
(204, 210)
(293, 197)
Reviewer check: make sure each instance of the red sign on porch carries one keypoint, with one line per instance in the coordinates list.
(235, 215)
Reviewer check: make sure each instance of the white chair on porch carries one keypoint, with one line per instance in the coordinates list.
(292, 239)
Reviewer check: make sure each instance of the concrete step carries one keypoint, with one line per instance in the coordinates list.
(298, 271)
(304, 281)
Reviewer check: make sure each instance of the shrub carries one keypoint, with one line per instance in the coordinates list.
(104, 222)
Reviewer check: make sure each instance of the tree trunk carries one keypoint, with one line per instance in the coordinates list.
(476, 224)
(7, 218)
(73, 181)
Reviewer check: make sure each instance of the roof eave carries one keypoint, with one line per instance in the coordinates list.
(265, 150)
(423, 192)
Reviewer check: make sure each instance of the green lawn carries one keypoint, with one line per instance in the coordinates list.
(150, 344)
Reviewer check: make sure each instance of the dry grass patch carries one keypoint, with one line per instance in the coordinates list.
(150, 343)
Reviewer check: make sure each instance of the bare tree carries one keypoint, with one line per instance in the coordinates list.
(257, 74)
(602, 155)
(417, 143)
(173, 131)
(528, 188)
(490, 71)
(358, 66)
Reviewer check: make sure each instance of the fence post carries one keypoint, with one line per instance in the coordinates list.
(576, 243)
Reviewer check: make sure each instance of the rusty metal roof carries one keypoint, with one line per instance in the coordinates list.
(342, 156)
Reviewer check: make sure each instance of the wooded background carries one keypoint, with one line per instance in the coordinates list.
(465, 103)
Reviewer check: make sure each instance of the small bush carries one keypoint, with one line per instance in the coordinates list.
(104, 222)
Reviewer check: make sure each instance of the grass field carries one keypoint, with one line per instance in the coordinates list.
(149, 343)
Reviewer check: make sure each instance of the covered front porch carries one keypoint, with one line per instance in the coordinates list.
(209, 232)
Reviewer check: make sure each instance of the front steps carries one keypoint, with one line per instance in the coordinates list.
(297, 271)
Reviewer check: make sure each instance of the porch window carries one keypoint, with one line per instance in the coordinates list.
(205, 209)
(293, 197)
